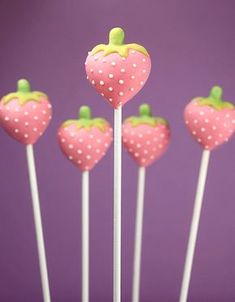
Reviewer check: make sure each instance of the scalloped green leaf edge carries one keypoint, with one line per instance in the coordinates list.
(116, 45)
(215, 100)
(145, 118)
(23, 94)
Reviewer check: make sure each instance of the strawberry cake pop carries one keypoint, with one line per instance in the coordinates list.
(85, 141)
(210, 120)
(118, 71)
(145, 137)
(25, 114)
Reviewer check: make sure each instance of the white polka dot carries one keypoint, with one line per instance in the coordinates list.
(102, 83)
(140, 135)
(98, 140)
(80, 140)
(6, 118)
(227, 115)
(79, 151)
(44, 112)
(209, 137)
(93, 82)
(202, 113)
(123, 70)
(206, 121)
(50, 117)
(194, 132)
(71, 146)
(35, 129)
(138, 146)
(144, 60)
(106, 145)
(148, 142)
(123, 58)
(97, 151)
(132, 141)
(214, 127)
(104, 60)
(44, 122)
(49, 106)
(152, 157)
(26, 113)
(79, 161)
(35, 117)
(136, 154)
(134, 65)
(111, 76)
(96, 58)
(132, 77)
(34, 106)
(144, 70)
(203, 129)
(199, 140)
(121, 93)
(113, 63)
(133, 51)
(91, 136)
(26, 124)
(100, 71)
(110, 88)
(145, 151)
(131, 89)
(141, 83)
(91, 70)
(62, 140)
(186, 122)
(121, 82)
(26, 135)
(16, 130)
(89, 147)
(102, 94)
(216, 143)
(88, 156)
(70, 157)
(17, 109)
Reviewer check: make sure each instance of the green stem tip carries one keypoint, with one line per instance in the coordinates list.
(116, 36)
(85, 112)
(216, 93)
(23, 86)
(145, 110)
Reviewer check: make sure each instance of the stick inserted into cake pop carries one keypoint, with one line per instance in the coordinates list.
(84, 142)
(146, 139)
(211, 121)
(118, 72)
(25, 115)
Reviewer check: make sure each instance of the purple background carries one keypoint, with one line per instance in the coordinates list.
(192, 47)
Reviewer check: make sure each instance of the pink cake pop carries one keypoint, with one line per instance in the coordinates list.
(210, 120)
(85, 141)
(25, 114)
(118, 71)
(145, 137)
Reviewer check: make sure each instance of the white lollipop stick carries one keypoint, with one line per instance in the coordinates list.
(138, 235)
(38, 223)
(194, 226)
(117, 204)
(85, 236)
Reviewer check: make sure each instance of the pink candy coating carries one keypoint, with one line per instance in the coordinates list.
(25, 123)
(84, 147)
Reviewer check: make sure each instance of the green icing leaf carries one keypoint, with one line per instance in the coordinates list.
(116, 45)
(145, 117)
(24, 94)
(215, 100)
(85, 121)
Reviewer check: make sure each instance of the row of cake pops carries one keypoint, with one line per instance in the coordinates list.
(25, 115)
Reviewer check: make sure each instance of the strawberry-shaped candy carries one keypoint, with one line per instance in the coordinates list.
(85, 141)
(210, 120)
(25, 114)
(145, 137)
(118, 71)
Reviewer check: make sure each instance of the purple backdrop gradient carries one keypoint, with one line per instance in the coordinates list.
(192, 47)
